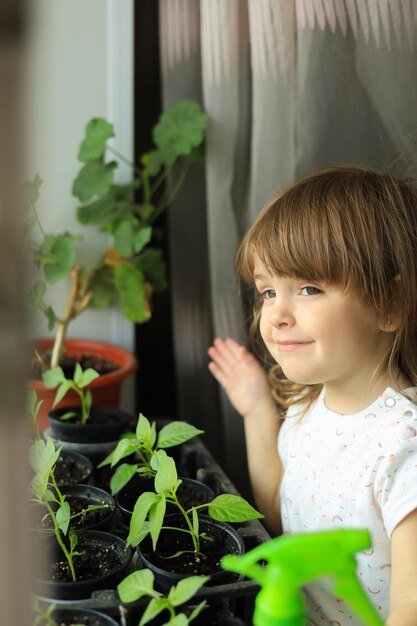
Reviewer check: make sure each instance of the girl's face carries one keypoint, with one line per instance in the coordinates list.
(319, 334)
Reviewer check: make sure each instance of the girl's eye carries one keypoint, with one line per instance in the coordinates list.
(309, 290)
(268, 294)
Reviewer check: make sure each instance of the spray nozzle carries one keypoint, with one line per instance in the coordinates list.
(293, 561)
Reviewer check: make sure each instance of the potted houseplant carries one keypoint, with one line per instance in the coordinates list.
(84, 423)
(78, 562)
(175, 546)
(141, 446)
(140, 584)
(133, 267)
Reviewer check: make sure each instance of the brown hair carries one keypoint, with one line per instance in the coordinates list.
(352, 227)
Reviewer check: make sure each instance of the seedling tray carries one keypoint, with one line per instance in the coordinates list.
(193, 461)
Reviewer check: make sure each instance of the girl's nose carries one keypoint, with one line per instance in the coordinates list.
(280, 316)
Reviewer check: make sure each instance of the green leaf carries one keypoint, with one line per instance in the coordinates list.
(176, 433)
(36, 294)
(156, 518)
(59, 257)
(179, 620)
(124, 237)
(196, 523)
(166, 476)
(136, 585)
(96, 211)
(124, 448)
(197, 610)
(157, 458)
(73, 537)
(36, 452)
(143, 429)
(130, 285)
(186, 589)
(63, 516)
(151, 263)
(88, 376)
(179, 130)
(103, 288)
(142, 238)
(53, 377)
(140, 512)
(231, 508)
(97, 132)
(62, 391)
(78, 374)
(52, 318)
(155, 606)
(31, 191)
(152, 162)
(94, 179)
(121, 477)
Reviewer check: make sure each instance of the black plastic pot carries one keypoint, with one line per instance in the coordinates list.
(92, 495)
(68, 617)
(104, 425)
(76, 468)
(190, 493)
(95, 543)
(232, 543)
(79, 497)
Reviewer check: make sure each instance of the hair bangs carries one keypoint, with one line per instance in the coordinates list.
(295, 238)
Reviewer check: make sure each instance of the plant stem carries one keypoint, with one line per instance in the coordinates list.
(61, 543)
(196, 540)
(126, 161)
(68, 315)
(171, 195)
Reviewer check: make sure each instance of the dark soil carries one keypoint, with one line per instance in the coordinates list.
(68, 363)
(69, 472)
(204, 563)
(97, 419)
(97, 560)
(84, 521)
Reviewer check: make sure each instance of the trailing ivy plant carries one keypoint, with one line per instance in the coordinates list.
(132, 268)
(149, 510)
(143, 444)
(140, 584)
(55, 378)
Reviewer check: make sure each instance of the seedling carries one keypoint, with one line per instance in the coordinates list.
(43, 618)
(33, 410)
(55, 377)
(140, 584)
(45, 492)
(144, 443)
(149, 511)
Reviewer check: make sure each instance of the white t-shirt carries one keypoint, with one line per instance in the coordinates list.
(351, 471)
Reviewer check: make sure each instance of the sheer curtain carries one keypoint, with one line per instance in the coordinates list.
(289, 86)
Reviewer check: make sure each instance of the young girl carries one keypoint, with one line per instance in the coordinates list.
(333, 262)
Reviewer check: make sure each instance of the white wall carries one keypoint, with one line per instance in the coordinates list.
(81, 67)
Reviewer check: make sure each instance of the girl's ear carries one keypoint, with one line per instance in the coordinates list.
(391, 324)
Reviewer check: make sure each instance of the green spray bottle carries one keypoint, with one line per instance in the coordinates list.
(295, 560)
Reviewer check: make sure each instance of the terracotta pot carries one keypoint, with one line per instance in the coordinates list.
(105, 389)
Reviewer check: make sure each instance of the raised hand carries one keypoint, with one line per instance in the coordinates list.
(241, 376)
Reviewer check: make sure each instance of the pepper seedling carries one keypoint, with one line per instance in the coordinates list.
(144, 443)
(55, 377)
(141, 583)
(46, 492)
(149, 511)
